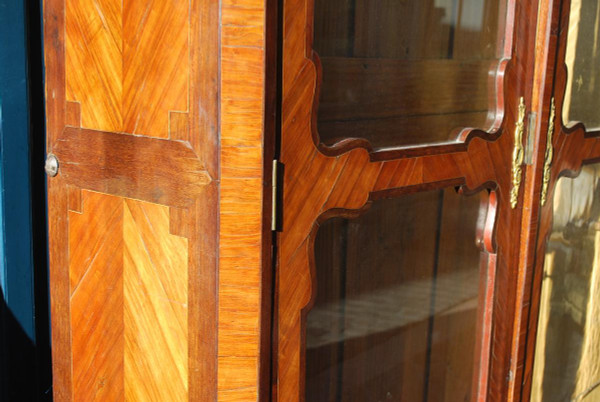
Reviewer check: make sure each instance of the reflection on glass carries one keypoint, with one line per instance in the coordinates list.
(582, 100)
(396, 304)
(405, 72)
(567, 355)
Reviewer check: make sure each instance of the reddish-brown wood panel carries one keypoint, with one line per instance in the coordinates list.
(542, 81)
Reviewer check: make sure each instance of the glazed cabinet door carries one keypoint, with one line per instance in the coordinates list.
(132, 213)
(404, 136)
(563, 348)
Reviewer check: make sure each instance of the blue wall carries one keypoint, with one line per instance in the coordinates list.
(16, 275)
(24, 318)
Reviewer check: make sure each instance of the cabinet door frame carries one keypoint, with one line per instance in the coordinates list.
(572, 148)
(341, 180)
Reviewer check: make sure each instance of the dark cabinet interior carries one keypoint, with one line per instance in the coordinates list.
(396, 306)
(406, 73)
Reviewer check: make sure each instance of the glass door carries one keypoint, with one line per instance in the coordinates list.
(564, 329)
(567, 353)
(397, 301)
(403, 139)
(407, 73)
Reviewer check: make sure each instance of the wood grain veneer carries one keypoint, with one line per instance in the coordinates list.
(244, 291)
(128, 301)
(542, 81)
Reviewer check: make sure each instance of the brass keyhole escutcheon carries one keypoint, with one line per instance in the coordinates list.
(51, 165)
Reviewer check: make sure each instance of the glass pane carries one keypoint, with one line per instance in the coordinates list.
(567, 355)
(582, 97)
(396, 304)
(407, 72)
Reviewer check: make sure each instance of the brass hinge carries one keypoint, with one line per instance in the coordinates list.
(528, 160)
(275, 178)
(549, 154)
(518, 155)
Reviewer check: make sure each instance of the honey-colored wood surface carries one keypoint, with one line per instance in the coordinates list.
(321, 182)
(242, 233)
(131, 98)
(128, 301)
(135, 55)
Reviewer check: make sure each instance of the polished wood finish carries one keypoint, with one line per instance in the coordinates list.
(116, 44)
(546, 38)
(321, 182)
(131, 96)
(128, 301)
(244, 240)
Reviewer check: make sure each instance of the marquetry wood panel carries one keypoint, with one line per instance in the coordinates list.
(132, 117)
(155, 286)
(96, 267)
(127, 63)
(128, 301)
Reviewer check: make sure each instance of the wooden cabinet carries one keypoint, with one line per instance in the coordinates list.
(424, 194)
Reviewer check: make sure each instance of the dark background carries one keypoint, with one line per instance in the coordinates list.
(25, 366)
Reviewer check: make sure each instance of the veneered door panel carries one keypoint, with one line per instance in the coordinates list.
(127, 63)
(133, 209)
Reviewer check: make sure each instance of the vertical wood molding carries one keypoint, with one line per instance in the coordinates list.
(241, 203)
(60, 310)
